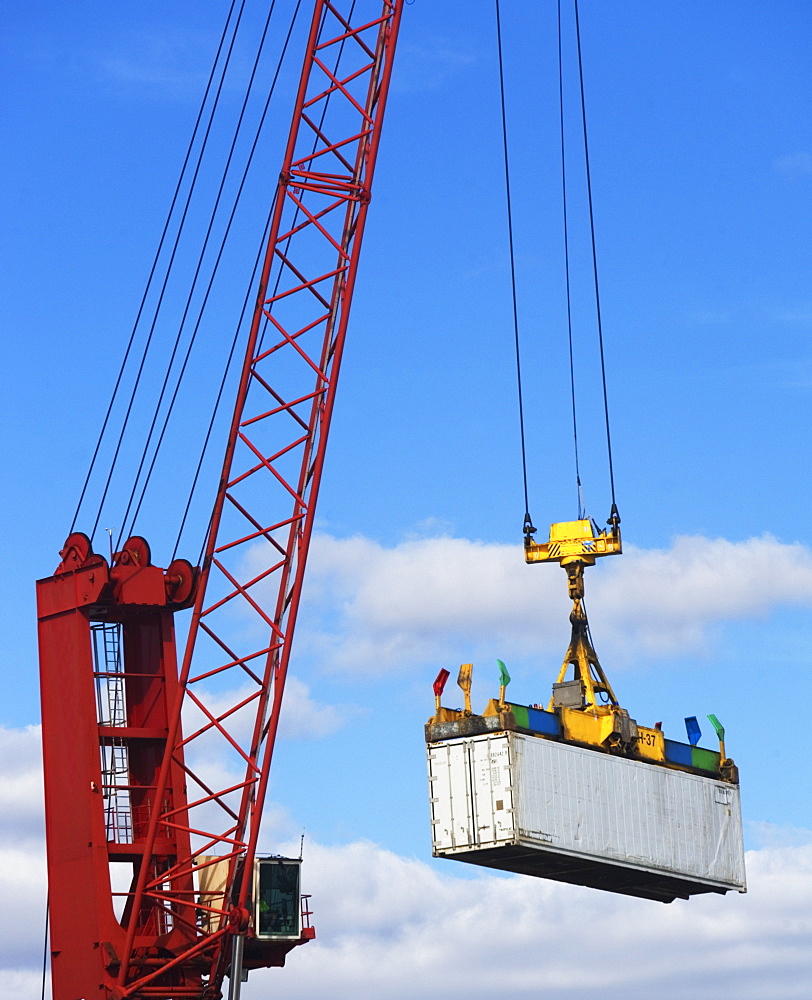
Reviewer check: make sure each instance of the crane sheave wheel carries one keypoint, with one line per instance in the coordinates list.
(77, 547)
(180, 581)
(136, 552)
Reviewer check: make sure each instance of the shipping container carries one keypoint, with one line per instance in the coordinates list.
(541, 807)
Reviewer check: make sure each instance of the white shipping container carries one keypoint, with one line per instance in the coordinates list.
(540, 807)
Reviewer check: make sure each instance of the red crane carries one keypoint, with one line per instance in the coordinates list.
(126, 731)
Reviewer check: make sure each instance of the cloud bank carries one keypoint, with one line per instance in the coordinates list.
(22, 863)
(371, 609)
(395, 928)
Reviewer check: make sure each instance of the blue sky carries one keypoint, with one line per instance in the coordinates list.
(701, 157)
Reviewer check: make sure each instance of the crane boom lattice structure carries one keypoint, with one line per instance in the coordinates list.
(170, 767)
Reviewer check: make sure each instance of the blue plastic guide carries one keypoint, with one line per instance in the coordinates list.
(694, 732)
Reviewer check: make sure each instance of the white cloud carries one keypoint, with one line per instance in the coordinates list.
(23, 894)
(669, 600)
(794, 165)
(21, 796)
(305, 718)
(22, 861)
(771, 835)
(376, 608)
(22, 984)
(399, 928)
(424, 599)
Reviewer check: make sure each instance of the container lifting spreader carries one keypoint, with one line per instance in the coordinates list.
(579, 792)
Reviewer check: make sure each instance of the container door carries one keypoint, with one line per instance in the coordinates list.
(471, 793)
(493, 793)
(450, 796)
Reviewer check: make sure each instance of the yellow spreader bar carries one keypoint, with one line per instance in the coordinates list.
(574, 541)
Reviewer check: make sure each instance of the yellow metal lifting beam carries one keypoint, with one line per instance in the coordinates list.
(577, 542)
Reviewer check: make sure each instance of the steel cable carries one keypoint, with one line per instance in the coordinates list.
(528, 527)
(246, 300)
(214, 271)
(221, 389)
(144, 297)
(257, 264)
(168, 271)
(151, 274)
(45, 943)
(581, 504)
(595, 262)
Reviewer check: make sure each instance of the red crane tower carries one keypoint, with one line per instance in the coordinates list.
(126, 731)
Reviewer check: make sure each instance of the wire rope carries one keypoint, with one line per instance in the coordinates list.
(257, 262)
(614, 515)
(528, 525)
(45, 943)
(581, 504)
(152, 271)
(219, 397)
(170, 264)
(173, 254)
(215, 267)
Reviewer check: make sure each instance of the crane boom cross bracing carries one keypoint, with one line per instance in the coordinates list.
(140, 768)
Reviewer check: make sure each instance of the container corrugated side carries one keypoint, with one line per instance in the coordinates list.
(527, 804)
